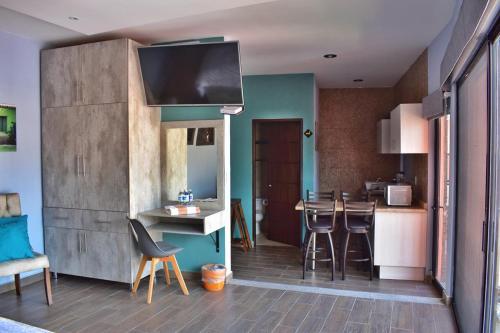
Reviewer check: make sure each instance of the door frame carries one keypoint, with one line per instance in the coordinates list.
(255, 122)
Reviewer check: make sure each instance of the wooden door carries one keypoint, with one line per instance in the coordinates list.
(105, 157)
(61, 157)
(60, 77)
(471, 196)
(283, 153)
(104, 72)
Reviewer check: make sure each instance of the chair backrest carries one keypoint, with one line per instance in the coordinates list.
(363, 209)
(316, 196)
(10, 205)
(146, 244)
(353, 196)
(313, 210)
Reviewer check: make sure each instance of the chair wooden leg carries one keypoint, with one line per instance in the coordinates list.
(167, 274)
(178, 274)
(154, 261)
(142, 264)
(48, 287)
(17, 282)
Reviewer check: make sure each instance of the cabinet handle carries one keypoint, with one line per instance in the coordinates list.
(83, 162)
(77, 165)
(85, 241)
(79, 242)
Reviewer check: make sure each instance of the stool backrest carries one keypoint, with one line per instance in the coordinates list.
(314, 210)
(363, 209)
(353, 196)
(146, 244)
(317, 196)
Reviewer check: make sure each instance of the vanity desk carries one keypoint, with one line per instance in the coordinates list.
(205, 223)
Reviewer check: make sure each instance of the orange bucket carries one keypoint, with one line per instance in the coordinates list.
(213, 276)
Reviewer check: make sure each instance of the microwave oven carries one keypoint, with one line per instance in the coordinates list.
(398, 195)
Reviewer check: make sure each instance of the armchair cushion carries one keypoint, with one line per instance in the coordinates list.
(14, 241)
(10, 205)
(24, 265)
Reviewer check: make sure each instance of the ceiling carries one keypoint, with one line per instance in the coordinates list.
(375, 40)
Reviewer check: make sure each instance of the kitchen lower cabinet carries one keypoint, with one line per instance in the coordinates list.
(400, 243)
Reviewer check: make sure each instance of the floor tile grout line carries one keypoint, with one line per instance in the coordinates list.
(337, 292)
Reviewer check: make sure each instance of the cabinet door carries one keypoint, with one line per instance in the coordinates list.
(104, 72)
(60, 76)
(64, 249)
(107, 256)
(61, 157)
(106, 158)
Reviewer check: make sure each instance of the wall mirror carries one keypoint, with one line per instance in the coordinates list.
(192, 159)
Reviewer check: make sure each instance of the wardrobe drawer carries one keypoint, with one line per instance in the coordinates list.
(105, 221)
(62, 218)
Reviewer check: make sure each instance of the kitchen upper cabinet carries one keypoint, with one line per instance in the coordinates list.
(384, 136)
(409, 130)
(85, 74)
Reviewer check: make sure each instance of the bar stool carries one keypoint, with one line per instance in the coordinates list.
(316, 196)
(320, 219)
(358, 220)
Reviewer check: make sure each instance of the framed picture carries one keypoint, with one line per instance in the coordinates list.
(205, 136)
(7, 128)
(190, 136)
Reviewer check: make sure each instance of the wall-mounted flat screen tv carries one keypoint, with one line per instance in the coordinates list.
(192, 74)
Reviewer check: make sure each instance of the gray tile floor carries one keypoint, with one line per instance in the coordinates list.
(283, 265)
(85, 305)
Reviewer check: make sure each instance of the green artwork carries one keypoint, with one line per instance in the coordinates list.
(7, 128)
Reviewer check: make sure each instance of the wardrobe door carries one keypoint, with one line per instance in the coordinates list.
(105, 156)
(61, 157)
(60, 77)
(104, 72)
(64, 247)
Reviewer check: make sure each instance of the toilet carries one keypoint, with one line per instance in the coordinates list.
(260, 207)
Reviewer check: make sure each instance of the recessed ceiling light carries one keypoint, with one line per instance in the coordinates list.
(358, 80)
(330, 55)
(73, 18)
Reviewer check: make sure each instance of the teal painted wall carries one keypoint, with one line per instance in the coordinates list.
(266, 97)
(270, 97)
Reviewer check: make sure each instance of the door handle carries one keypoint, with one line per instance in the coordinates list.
(270, 185)
(85, 242)
(83, 162)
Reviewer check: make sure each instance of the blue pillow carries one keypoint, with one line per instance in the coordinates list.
(14, 240)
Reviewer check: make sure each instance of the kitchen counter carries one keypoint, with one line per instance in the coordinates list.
(381, 206)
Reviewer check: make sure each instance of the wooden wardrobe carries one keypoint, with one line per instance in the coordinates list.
(100, 157)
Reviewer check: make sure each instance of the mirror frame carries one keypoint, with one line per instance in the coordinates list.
(218, 125)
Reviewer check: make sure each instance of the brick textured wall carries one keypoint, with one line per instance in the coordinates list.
(347, 142)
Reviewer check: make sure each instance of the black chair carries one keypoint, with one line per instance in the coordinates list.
(320, 219)
(155, 252)
(358, 219)
(353, 196)
(319, 196)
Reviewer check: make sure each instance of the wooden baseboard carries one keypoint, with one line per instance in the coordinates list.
(24, 282)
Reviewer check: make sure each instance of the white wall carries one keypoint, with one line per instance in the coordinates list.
(21, 171)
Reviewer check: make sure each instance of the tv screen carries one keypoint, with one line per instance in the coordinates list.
(192, 74)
